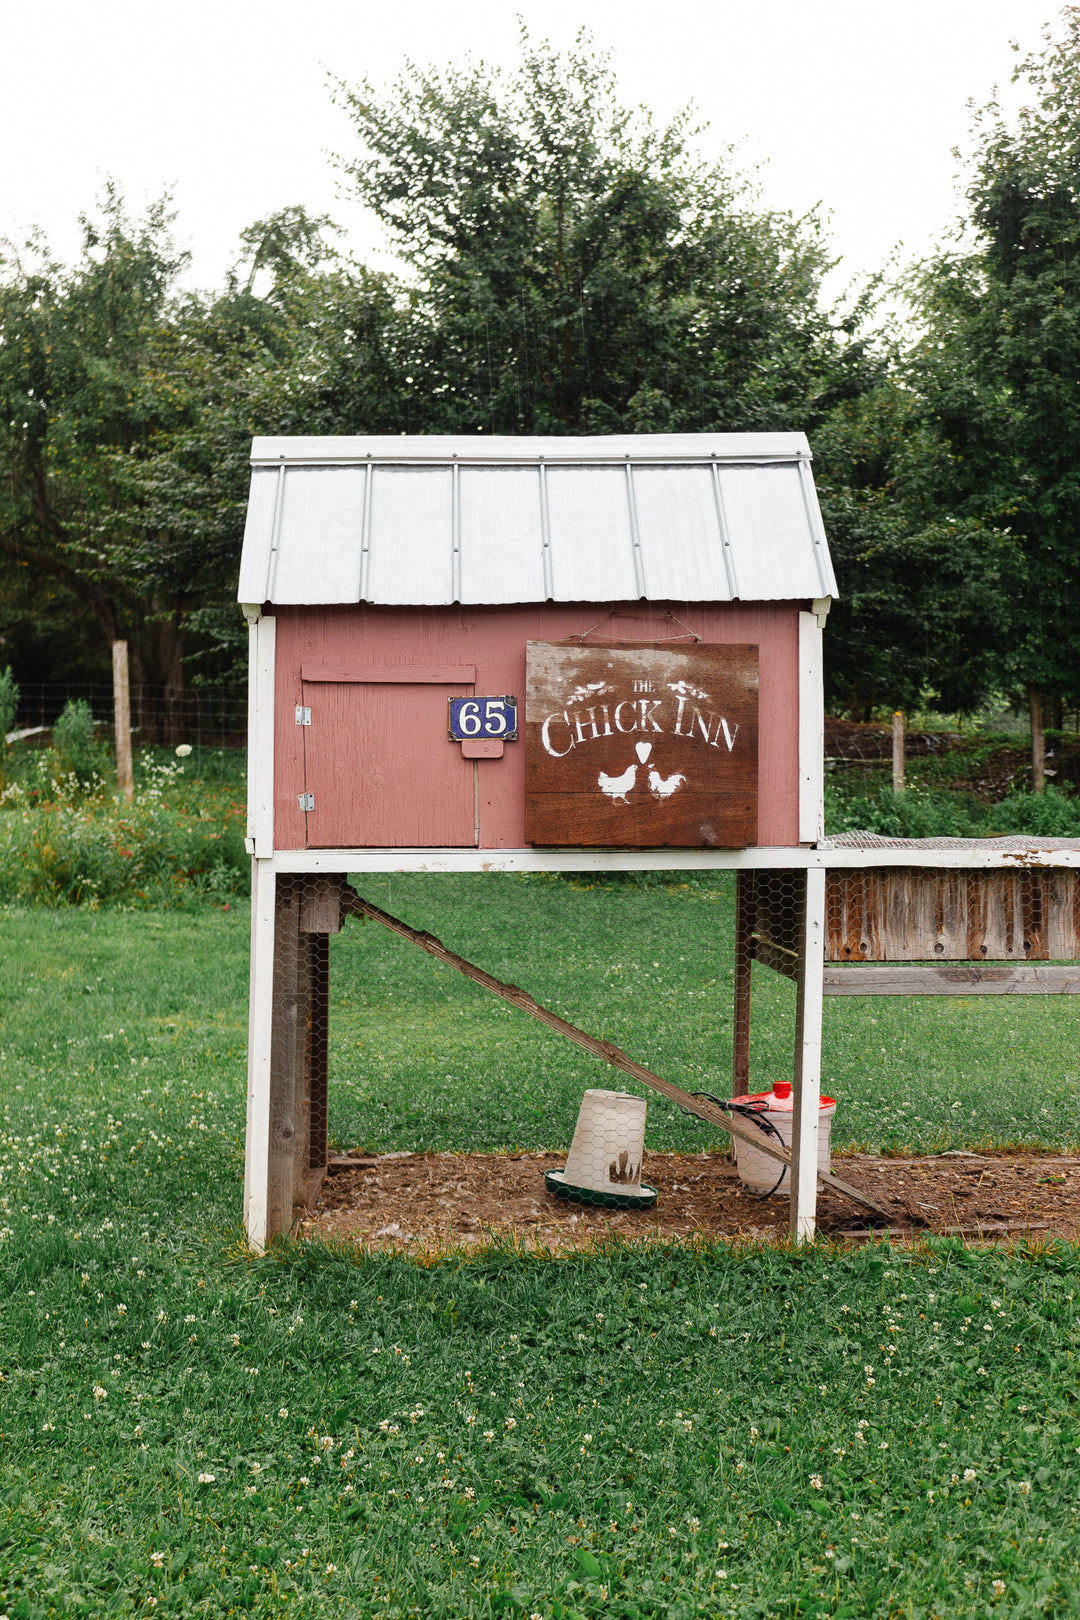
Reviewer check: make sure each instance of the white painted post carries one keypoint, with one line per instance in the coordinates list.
(807, 1088)
(260, 843)
(812, 724)
(260, 1025)
(260, 771)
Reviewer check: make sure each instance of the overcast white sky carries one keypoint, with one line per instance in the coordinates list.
(851, 102)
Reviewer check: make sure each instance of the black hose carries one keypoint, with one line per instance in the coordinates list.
(755, 1111)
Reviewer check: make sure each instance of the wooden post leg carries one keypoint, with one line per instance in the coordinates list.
(807, 1088)
(744, 925)
(260, 1024)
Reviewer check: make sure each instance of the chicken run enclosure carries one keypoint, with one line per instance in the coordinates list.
(576, 655)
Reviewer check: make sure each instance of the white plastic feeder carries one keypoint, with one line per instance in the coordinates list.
(604, 1162)
(756, 1170)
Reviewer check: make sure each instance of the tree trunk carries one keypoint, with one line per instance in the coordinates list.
(1038, 739)
(159, 679)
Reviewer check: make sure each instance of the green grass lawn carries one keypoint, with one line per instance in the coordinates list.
(645, 1432)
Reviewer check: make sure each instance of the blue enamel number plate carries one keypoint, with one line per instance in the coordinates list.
(483, 717)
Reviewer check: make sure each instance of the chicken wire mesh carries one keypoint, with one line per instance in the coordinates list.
(915, 1061)
(306, 912)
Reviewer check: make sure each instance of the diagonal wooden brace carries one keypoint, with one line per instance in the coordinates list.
(352, 904)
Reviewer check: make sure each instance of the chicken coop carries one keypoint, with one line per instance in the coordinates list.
(514, 654)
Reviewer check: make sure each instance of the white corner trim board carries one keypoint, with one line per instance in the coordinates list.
(811, 730)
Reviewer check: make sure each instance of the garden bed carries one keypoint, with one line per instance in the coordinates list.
(433, 1201)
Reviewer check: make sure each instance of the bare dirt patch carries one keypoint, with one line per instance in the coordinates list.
(426, 1203)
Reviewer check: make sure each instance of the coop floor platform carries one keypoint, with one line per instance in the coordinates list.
(425, 1203)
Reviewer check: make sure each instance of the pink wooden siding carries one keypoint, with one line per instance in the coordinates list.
(424, 777)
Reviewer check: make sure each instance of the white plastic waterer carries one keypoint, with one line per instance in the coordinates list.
(756, 1170)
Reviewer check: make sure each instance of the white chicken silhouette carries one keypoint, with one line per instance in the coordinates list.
(664, 786)
(617, 787)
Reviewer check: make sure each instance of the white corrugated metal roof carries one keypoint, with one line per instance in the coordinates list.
(709, 517)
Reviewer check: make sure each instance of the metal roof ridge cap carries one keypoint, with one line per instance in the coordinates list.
(350, 449)
(607, 458)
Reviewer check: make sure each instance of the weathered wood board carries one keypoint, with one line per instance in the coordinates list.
(951, 979)
(924, 914)
(641, 745)
(903, 914)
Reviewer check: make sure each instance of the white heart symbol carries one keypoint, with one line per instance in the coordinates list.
(643, 750)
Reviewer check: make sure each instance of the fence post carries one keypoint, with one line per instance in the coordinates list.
(125, 780)
(897, 751)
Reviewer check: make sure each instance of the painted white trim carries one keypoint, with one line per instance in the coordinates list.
(811, 731)
(260, 1034)
(261, 736)
(660, 860)
(807, 1079)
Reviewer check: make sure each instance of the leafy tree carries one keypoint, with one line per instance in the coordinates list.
(574, 269)
(925, 590)
(126, 414)
(999, 363)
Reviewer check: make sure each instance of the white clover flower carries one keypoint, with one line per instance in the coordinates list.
(816, 1482)
(157, 1559)
(206, 1479)
(969, 1475)
(100, 1393)
(998, 1588)
(1025, 1487)
(283, 1411)
(489, 1435)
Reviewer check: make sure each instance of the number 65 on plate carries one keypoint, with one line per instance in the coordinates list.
(483, 717)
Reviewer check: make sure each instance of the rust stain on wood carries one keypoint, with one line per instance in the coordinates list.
(641, 745)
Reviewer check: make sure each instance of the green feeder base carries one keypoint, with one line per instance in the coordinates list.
(556, 1182)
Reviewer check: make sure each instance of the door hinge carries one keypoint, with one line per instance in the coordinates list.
(306, 801)
(303, 715)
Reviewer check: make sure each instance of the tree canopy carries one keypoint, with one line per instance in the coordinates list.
(574, 269)
(565, 266)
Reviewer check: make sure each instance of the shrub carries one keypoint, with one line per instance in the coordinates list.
(76, 752)
(1054, 813)
(63, 844)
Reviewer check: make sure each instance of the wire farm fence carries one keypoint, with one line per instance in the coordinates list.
(205, 717)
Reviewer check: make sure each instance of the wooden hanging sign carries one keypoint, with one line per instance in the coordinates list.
(641, 745)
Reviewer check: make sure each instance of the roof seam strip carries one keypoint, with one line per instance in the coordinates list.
(725, 537)
(635, 536)
(455, 532)
(545, 536)
(275, 534)
(817, 528)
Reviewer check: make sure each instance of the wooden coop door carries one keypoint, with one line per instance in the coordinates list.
(379, 768)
